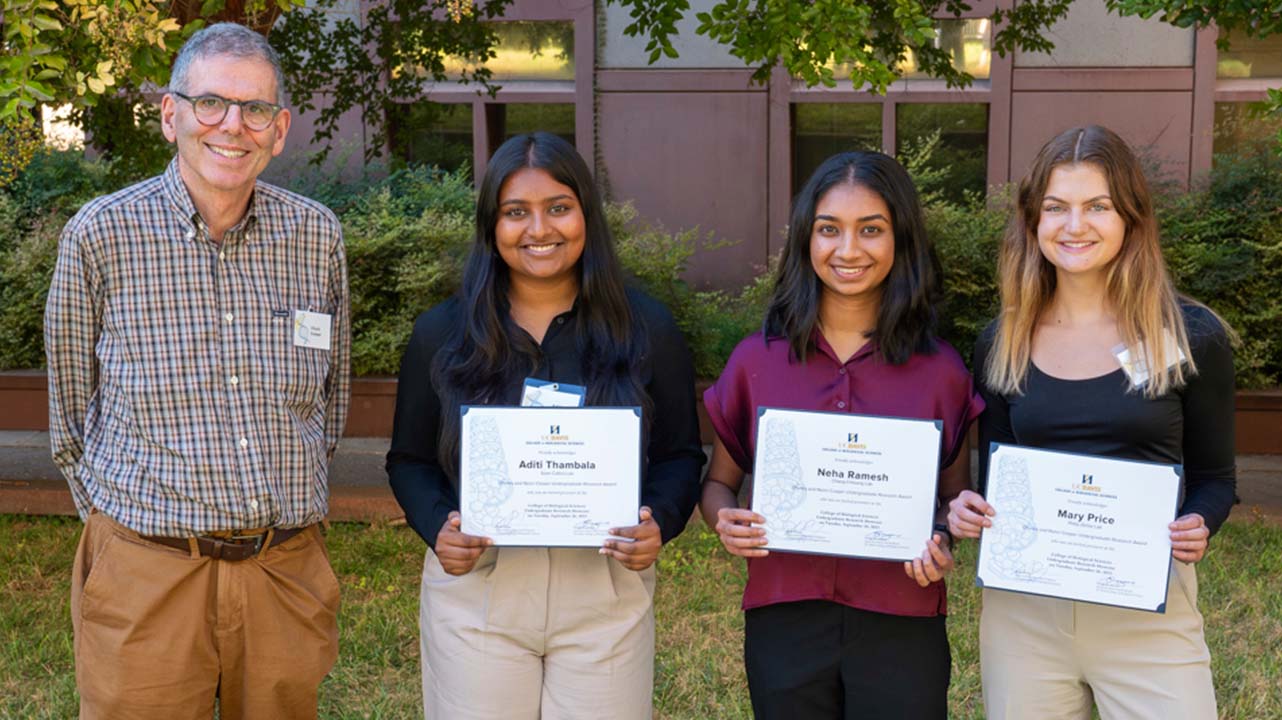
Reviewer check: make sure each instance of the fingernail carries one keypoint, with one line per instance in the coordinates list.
(603, 551)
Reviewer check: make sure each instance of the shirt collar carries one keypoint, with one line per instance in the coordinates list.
(821, 344)
(180, 197)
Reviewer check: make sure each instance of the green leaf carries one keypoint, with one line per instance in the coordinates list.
(40, 91)
(44, 22)
(211, 7)
(10, 108)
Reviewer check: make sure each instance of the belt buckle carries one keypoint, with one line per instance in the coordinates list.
(258, 540)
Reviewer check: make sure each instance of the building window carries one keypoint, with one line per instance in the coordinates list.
(820, 130)
(1240, 131)
(428, 133)
(968, 41)
(526, 50)
(1249, 57)
(512, 119)
(963, 142)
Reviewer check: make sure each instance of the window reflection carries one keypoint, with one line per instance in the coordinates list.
(556, 118)
(525, 50)
(967, 41)
(963, 142)
(428, 133)
(823, 129)
(1240, 130)
(1249, 57)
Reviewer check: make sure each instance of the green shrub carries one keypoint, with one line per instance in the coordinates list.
(713, 321)
(1224, 246)
(26, 267)
(967, 236)
(59, 181)
(399, 264)
(408, 234)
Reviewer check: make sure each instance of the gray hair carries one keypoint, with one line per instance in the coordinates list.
(230, 39)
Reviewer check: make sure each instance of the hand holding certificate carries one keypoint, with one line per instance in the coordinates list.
(549, 476)
(841, 484)
(1079, 527)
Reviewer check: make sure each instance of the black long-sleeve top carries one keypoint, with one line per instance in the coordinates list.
(673, 457)
(1192, 425)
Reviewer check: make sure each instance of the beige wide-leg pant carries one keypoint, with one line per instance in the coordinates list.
(537, 633)
(1046, 659)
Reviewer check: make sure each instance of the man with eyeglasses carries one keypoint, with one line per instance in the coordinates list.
(198, 342)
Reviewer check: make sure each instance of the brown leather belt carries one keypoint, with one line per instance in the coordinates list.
(232, 546)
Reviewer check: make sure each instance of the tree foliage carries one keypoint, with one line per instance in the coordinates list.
(808, 39)
(338, 64)
(98, 56)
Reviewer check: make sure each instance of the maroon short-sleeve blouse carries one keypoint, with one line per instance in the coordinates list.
(929, 386)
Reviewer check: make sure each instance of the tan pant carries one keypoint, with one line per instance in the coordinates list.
(159, 633)
(537, 633)
(1045, 659)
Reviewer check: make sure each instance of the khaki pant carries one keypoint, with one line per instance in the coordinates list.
(159, 634)
(537, 633)
(1044, 658)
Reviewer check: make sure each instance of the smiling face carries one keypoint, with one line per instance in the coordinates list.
(1079, 230)
(852, 242)
(540, 230)
(223, 160)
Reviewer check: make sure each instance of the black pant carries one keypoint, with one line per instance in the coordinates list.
(823, 660)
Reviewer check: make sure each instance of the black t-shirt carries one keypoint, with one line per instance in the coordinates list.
(673, 457)
(1191, 425)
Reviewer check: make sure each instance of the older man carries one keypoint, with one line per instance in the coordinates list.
(198, 342)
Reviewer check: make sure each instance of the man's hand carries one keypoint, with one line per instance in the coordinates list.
(457, 550)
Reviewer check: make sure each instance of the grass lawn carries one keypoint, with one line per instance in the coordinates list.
(699, 671)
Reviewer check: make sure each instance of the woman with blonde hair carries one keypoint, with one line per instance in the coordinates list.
(1083, 281)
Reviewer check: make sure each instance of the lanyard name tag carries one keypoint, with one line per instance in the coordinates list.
(311, 330)
(545, 393)
(1136, 365)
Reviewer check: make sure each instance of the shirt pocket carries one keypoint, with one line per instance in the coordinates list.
(296, 374)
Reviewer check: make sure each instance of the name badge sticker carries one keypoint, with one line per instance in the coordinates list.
(311, 329)
(1136, 365)
(545, 393)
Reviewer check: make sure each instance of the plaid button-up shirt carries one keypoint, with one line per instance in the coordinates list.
(178, 401)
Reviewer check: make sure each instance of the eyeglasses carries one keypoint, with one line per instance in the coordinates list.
(211, 109)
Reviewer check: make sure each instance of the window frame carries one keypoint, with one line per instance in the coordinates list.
(487, 110)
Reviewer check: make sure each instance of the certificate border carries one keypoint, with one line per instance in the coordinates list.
(636, 410)
(993, 447)
(939, 451)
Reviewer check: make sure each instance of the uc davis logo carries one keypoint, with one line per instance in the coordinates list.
(851, 443)
(1088, 479)
(1088, 484)
(554, 434)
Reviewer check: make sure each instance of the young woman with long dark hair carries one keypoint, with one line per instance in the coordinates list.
(537, 632)
(1081, 274)
(850, 329)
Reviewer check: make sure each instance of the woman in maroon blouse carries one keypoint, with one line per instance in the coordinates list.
(850, 329)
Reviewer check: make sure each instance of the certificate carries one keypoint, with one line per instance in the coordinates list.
(549, 476)
(841, 484)
(1079, 527)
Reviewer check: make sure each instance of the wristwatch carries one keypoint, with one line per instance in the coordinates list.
(942, 529)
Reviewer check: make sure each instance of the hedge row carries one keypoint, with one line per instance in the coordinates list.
(407, 235)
